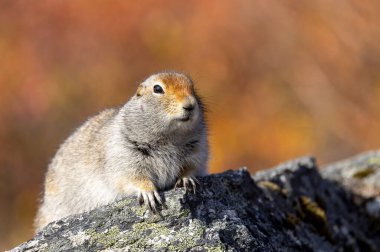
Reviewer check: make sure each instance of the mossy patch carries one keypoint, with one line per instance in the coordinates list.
(154, 227)
(154, 233)
(291, 220)
(184, 213)
(311, 208)
(363, 173)
(158, 236)
(139, 210)
(125, 202)
(312, 213)
(374, 161)
(188, 236)
(215, 249)
(107, 238)
(272, 186)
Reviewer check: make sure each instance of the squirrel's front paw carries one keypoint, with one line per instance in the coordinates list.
(188, 183)
(151, 199)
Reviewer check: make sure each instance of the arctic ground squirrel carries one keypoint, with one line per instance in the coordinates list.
(155, 141)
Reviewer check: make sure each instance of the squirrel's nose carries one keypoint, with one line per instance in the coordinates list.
(188, 107)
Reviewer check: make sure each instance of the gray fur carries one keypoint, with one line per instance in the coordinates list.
(98, 163)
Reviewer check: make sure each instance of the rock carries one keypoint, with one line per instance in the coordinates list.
(361, 175)
(288, 208)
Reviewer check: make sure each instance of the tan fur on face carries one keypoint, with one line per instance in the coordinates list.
(177, 89)
(180, 88)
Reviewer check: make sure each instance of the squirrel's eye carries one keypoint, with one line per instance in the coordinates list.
(158, 89)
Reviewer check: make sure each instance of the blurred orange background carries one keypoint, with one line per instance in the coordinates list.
(281, 79)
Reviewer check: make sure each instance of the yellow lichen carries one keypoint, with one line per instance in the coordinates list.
(124, 202)
(363, 173)
(292, 219)
(272, 186)
(107, 238)
(311, 208)
(315, 215)
(374, 160)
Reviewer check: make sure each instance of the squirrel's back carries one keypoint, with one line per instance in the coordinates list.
(74, 162)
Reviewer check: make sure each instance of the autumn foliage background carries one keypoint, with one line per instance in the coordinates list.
(281, 79)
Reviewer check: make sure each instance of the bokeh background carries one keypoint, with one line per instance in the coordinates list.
(281, 79)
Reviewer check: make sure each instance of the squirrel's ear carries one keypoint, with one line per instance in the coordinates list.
(139, 91)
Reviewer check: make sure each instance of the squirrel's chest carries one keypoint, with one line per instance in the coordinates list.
(164, 164)
(165, 152)
(168, 160)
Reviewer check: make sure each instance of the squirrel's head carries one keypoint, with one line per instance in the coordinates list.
(169, 98)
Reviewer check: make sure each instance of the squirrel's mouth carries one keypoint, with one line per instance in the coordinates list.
(185, 118)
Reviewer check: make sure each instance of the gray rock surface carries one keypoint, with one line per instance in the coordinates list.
(360, 175)
(288, 208)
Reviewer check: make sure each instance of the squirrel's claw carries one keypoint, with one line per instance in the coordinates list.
(140, 198)
(151, 199)
(178, 184)
(188, 183)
